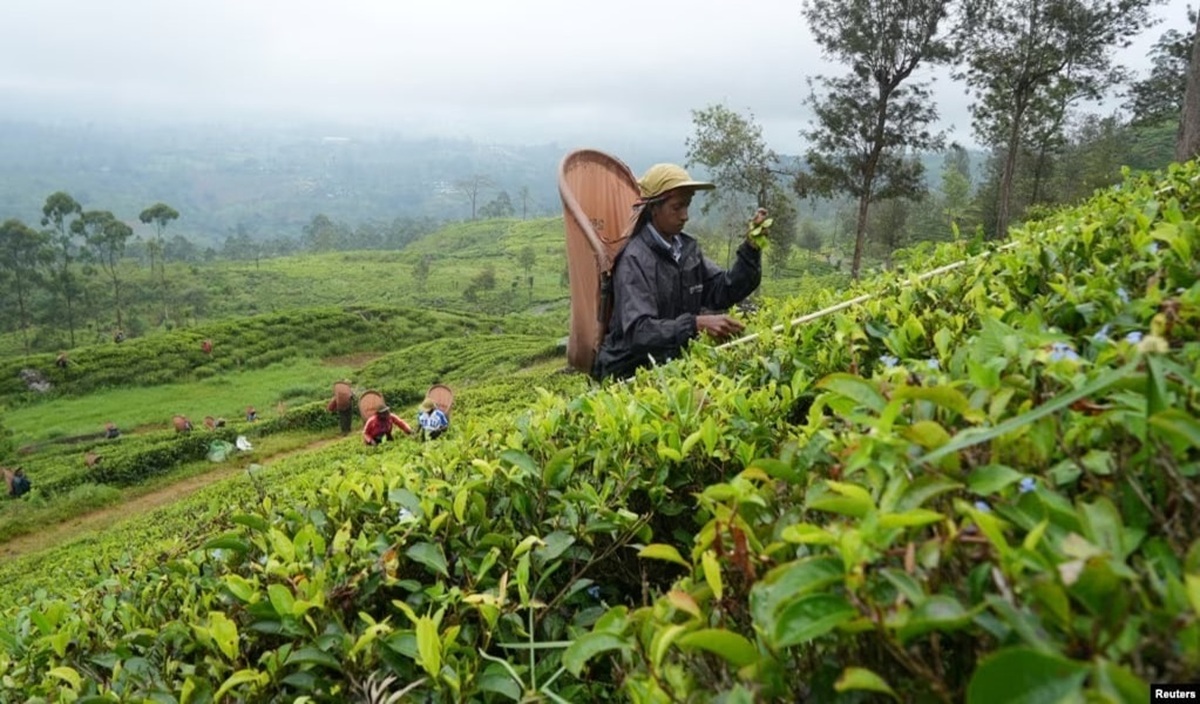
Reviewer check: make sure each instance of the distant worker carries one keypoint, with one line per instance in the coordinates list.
(342, 404)
(251, 414)
(18, 484)
(111, 431)
(119, 336)
(182, 424)
(663, 285)
(61, 360)
(206, 347)
(432, 420)
(380, 426)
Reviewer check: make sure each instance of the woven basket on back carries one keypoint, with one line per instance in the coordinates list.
(341, 395)
(368, 402)
(598, 194)
(442, 397)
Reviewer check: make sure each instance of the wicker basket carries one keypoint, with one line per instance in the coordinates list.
(341, 395)
(368, 402)
(442, 397)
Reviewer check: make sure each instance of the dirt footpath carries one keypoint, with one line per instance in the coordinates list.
(137, 506)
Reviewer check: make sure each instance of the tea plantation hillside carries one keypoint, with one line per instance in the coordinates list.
(74, 468)
(241, 343)
(493, 251)
(497, 267)
(980, 487)
(454, 256)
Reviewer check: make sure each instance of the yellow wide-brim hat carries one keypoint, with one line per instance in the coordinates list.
(661, 178)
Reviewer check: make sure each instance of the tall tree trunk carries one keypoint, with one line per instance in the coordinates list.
(117, 301)
(70, 321)
(860, 232)
(116, 290)
(1038, 171)
(65, 279)
(162, 279)
(1010, 169)
(24, 319)
(1187, 143)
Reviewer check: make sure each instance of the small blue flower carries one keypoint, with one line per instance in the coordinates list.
(1102, 334)
(594, 591)
(1152, 248)
(1061, 350)
(1027, 485)
(934, 364)
(1123, 295)
(983, 506)
(889, 361)
(1134, 337)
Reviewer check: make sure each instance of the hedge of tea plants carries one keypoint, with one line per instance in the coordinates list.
(244, 343)
(978, 487)
(128, 460)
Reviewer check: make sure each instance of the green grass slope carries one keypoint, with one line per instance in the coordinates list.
(985, 474)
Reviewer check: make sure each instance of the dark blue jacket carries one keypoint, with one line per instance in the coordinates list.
(656, 300)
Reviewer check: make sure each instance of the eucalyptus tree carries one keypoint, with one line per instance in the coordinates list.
(1158, 98)
(732, 149)
(471, 188)
(956, 184)
(867, 123)
(159, 214)
(106, 237)
(24, 254)
(58, 211)
(1026, 57)
(1187, 145)
(526, 197)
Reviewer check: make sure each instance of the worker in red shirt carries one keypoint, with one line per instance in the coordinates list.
(380, 426)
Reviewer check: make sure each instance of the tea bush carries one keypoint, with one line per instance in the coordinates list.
(254, 342)
(977, 487)
(128, 460)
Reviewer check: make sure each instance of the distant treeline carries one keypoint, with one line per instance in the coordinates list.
(266, 183)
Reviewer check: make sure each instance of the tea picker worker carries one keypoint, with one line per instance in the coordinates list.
(432, 420)
(344, 407)
(380, 426)
(15, 480)
(662, 283)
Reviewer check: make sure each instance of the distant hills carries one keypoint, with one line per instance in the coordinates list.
(271, 182)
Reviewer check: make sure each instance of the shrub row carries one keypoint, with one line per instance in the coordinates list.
(979, 487)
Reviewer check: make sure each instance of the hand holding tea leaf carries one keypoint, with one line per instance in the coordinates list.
(721, 327)
(760, 225)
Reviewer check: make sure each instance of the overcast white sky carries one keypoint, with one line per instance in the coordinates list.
(495, 70)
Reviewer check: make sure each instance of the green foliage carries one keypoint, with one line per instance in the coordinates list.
(249, 343)
(1158, 98)
(974, 487)
(1014, 62)
(869, 122)
(130, 459)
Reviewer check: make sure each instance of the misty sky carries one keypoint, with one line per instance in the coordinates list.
(519, 71)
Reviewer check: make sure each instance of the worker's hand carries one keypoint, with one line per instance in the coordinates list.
(760, 225)
(719, 326)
